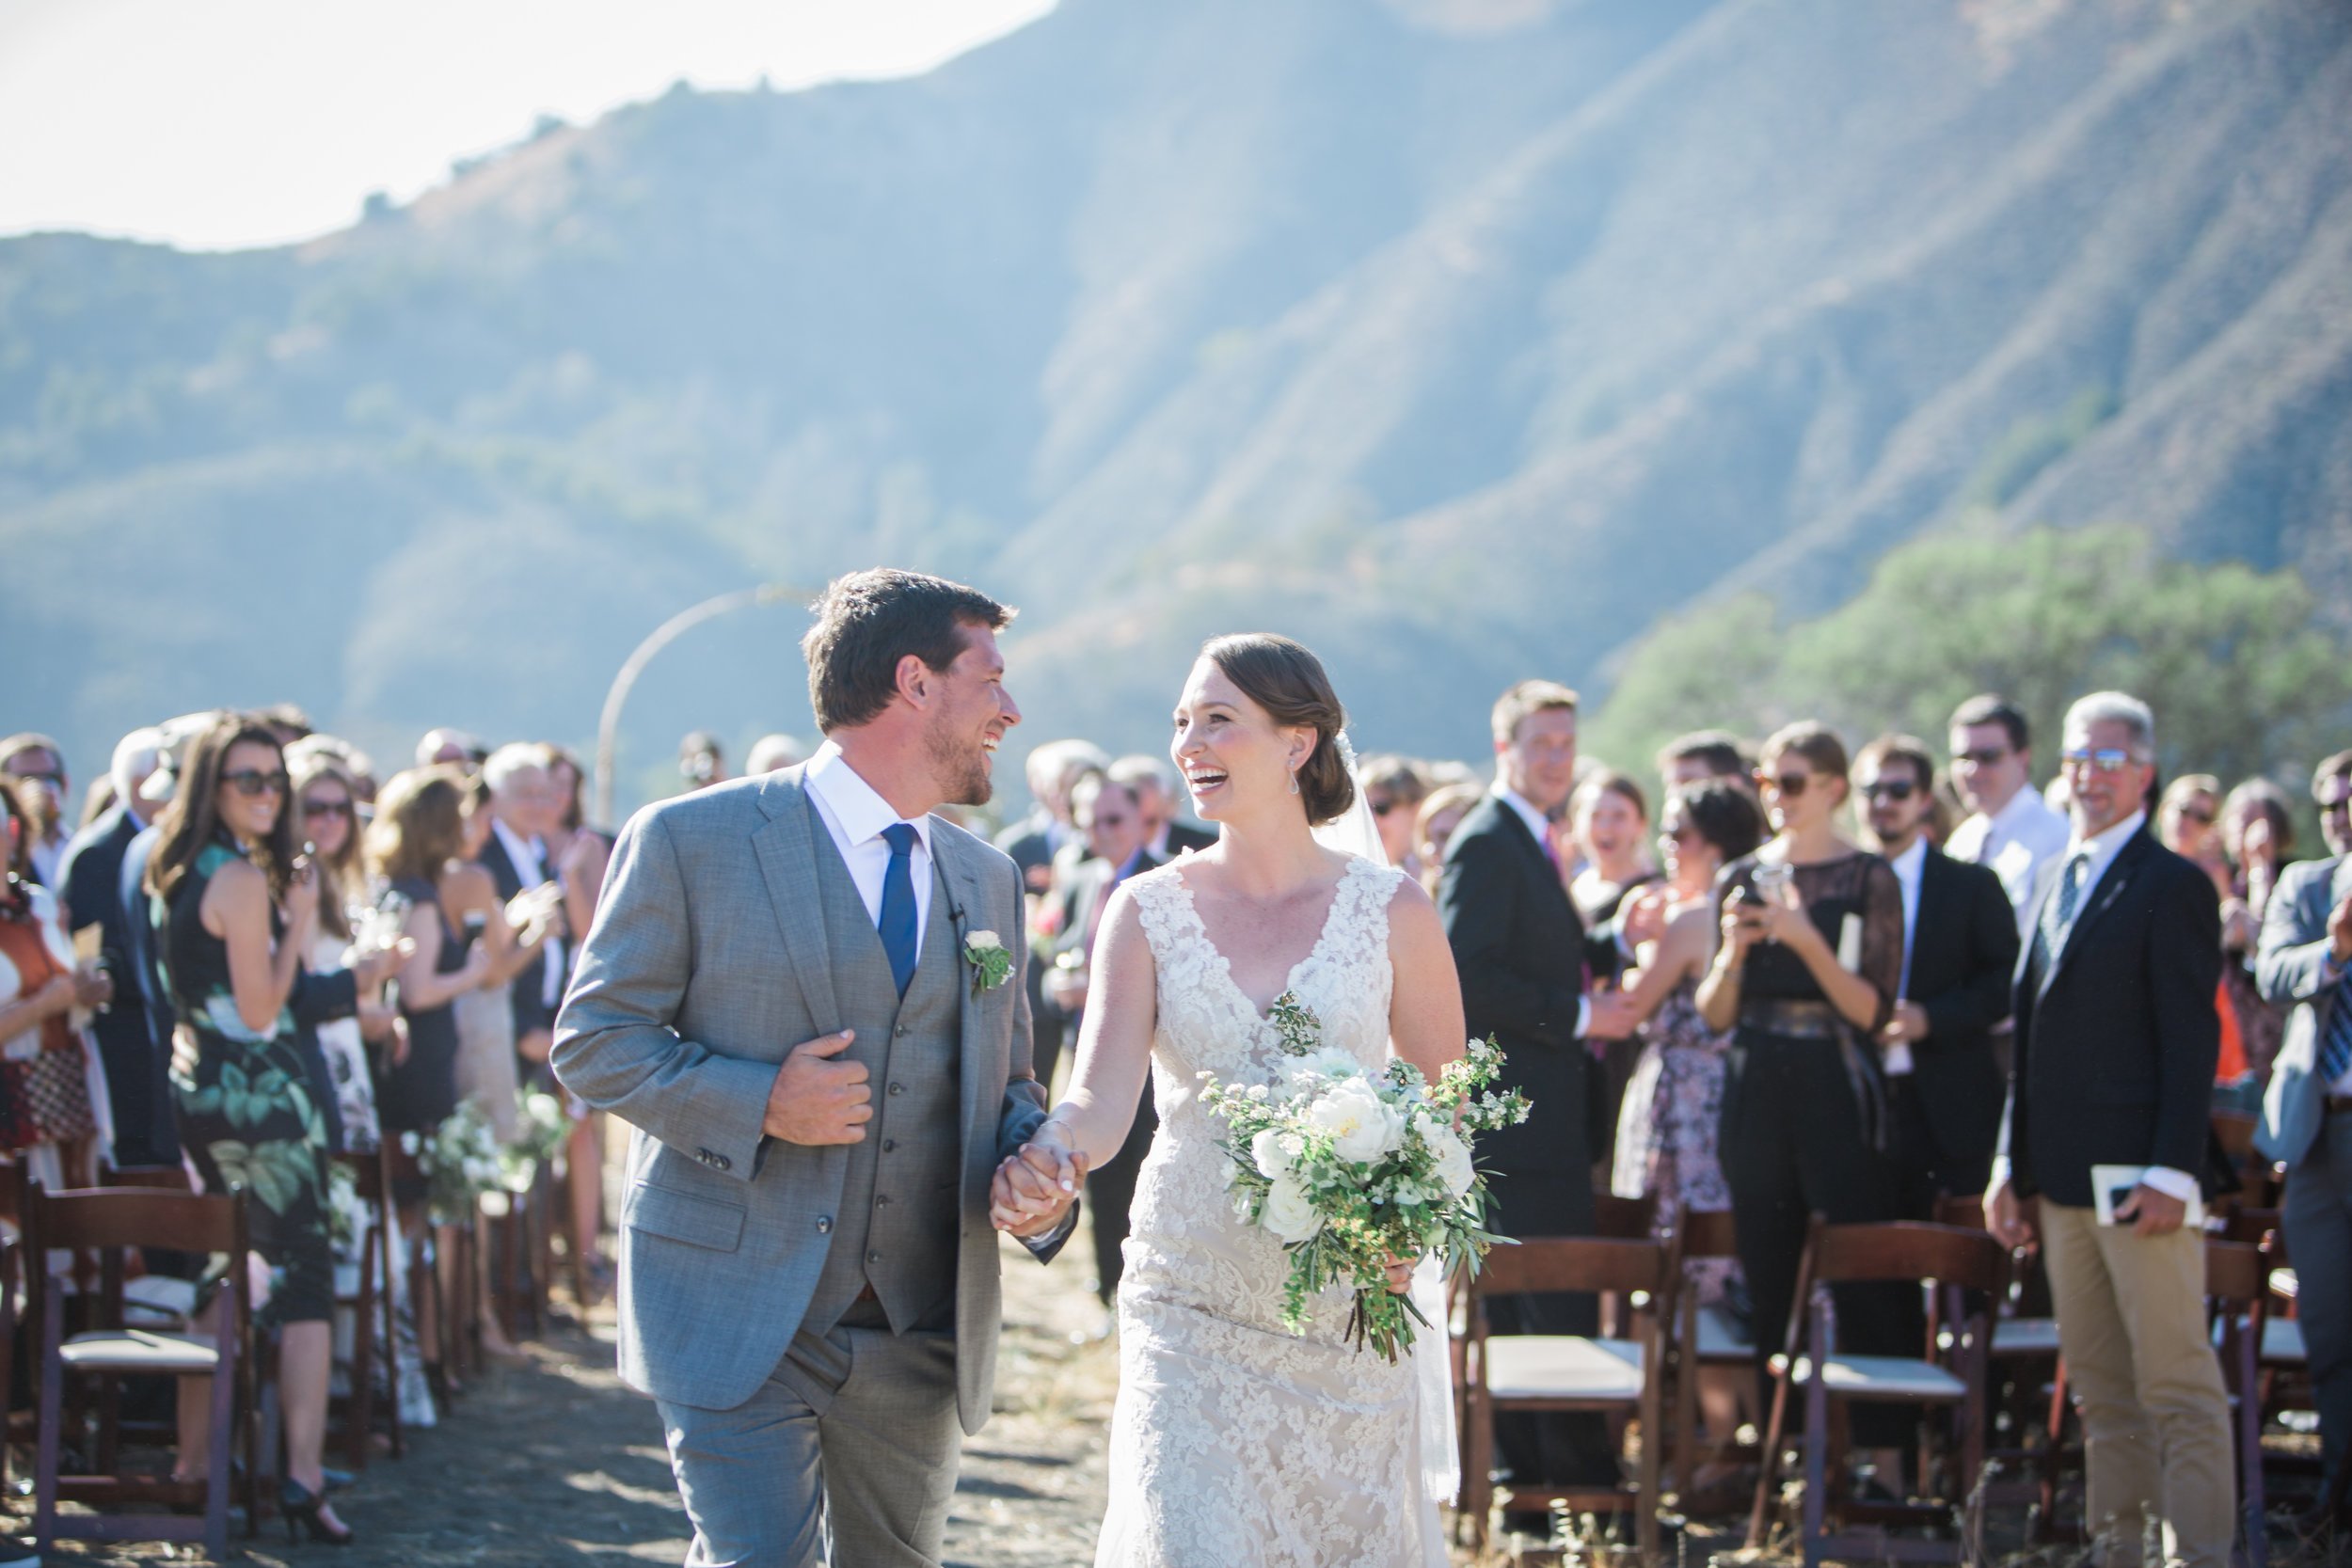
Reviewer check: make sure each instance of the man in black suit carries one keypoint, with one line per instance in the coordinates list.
(1107, 813)
(91, 878)
(2116, 1040)
(1154, 784)
(1524, 958)
(1959, 960)
(523, 806)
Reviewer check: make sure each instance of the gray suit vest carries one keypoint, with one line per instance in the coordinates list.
(900, 1210)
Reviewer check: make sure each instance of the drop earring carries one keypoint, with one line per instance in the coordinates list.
(1293, 781)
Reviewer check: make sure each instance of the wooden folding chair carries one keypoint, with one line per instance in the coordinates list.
(1559, 1372)
(2024, 1357)
(106, 1220)
(2237, 1299)
(371, 1307)
(1704, 1337)
(1967, 1269)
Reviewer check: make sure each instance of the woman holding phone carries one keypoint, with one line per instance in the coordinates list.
(1810, 966)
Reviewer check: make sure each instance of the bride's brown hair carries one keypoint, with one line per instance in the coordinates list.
(1285, 679)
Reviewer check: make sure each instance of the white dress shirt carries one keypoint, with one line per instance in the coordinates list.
(856, 814)
(529, 860)
(1541, 828)
(1909, 866)
(2016, 841)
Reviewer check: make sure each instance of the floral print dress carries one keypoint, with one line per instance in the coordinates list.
(245, 1111)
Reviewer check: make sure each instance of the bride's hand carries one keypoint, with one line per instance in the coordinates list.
(1400, 1274)
(1035, 1186)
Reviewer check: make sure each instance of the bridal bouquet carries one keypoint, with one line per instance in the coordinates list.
(1351, 1169)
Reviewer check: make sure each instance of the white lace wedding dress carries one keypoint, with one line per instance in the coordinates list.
(1235, 1442)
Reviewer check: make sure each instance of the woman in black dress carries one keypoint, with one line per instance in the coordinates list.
(235, 911)
(1811, 962)
(419, 828)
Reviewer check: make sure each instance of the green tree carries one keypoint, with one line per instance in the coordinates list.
(2242, 679)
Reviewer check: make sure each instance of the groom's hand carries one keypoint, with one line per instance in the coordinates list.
(1033, 1189)
(816, 1099)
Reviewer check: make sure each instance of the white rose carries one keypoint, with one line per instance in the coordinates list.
(1453, 1159)
(1267, 1154)
(1290, 1209)
(1362, 1125)
(981, 942)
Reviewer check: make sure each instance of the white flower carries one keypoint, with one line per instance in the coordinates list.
(1453, 1158)
(981, 942)
(1327, 1063)
(1267, 1154)
(1362, 1125)
(1290, 1209)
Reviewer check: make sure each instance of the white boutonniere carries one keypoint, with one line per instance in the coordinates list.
(992, 966)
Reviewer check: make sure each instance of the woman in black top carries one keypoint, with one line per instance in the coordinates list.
(419, 828)
(1810, 966)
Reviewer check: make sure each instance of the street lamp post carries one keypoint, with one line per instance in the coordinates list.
(607, 727)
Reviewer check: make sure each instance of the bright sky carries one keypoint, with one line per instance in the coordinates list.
(223, 123)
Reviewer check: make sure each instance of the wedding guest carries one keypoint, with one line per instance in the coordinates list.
(523, 809)
(100, 800)
(234, 913)
(1807, 975)
(38, 764)
(701, 761)
(418, 830)
(2304, 962)
(2011, 828)
(327, 799)
(452, 746)
(2331, 791)
(1960, 951)
(581, 854)
(1153, 784)
(2117, 1037)
(1053, 770)
(772, 752)
(47, 1115)
(485, 1070)
(138, 1092)
(1523, 959)
(2187, 823)
(2258, 836)
(1611, 821)
(1394, 788)
(1701, 755)
(1441, 814)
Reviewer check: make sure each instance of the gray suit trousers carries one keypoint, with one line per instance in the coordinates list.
(846, 1456)
(2318, 1221)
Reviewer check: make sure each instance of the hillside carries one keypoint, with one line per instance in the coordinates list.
(1462, 338)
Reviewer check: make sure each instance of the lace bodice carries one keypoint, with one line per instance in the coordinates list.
(1235, 1440)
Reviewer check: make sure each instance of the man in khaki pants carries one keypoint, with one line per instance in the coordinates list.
(2117, 1037)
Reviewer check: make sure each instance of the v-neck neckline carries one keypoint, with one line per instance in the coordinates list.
(1290, 981)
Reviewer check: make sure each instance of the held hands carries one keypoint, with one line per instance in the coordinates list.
(1035, 1187)
(816, 1100)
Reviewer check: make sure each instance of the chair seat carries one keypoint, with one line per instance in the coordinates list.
(155, 1298)
(1563, 1367)
(1719, 1338)
(2026, 1336)
(139, 1350)
(1883, 1377)
(2282, 1342)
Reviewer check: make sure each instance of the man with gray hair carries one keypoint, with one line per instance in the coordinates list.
(771, 751)
(524, 805)
(1153, 781)
(90, 877)
(2107, 1123)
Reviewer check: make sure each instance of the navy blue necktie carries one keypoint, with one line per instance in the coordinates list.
(898, 911)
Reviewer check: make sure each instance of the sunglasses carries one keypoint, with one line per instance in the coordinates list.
(1983, 756)
(1788, 786)
(2195, 813)
(2104, 760)
(252, 783)
(1892, 789)
(39, 776)
(327, 808)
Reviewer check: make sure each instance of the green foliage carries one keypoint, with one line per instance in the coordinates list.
(2242, 679)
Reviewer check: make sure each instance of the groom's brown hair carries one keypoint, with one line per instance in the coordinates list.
(868, 621)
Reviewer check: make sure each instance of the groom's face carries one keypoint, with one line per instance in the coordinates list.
(969, 719)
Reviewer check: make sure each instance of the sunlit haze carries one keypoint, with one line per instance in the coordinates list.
(245, 122)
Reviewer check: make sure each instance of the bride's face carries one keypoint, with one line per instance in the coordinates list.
(1236, 760)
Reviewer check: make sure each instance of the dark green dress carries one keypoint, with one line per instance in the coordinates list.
(247, 1113)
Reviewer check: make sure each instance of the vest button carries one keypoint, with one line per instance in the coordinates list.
(889, 1145)
(873, 1256)
(880, 1198)
(900, 1031)
(898, 1088)
(824, 1225)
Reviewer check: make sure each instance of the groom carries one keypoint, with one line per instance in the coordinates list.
(788, 993)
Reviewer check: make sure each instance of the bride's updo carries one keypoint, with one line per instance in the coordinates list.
(1285, 679)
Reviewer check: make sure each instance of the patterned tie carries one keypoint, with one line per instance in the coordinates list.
(2335, 1051)
(2058, 918)
(897, 907)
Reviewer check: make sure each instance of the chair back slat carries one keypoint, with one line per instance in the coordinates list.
(94, 1217)
(367, 1173)
(1546, 1263)
(1624, 1219)
(2236, 1272)
(167, 1178)
(1909, 1250)
(1709, 1234)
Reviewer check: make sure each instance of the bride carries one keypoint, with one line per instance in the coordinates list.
(1234, 1441)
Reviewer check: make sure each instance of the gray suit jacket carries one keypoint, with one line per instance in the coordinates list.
(2287, 969)
(707, 962)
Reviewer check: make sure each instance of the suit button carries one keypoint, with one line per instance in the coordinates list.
(880, 1200)
(889, 1144)
(898, 1088)
(873, 1256)
(900, 1031)
(824, 1225)
(719, 1162)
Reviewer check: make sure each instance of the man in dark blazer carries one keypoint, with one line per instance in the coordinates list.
(2117, 1037)
(522, 808)
(2305, 961)
(1960, 960)
(90, 882)
(1523, 957)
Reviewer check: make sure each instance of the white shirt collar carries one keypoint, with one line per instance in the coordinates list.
(1536, 822)
(855, 804)
(1911, 861)
(2102, 847)
(524, 853)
